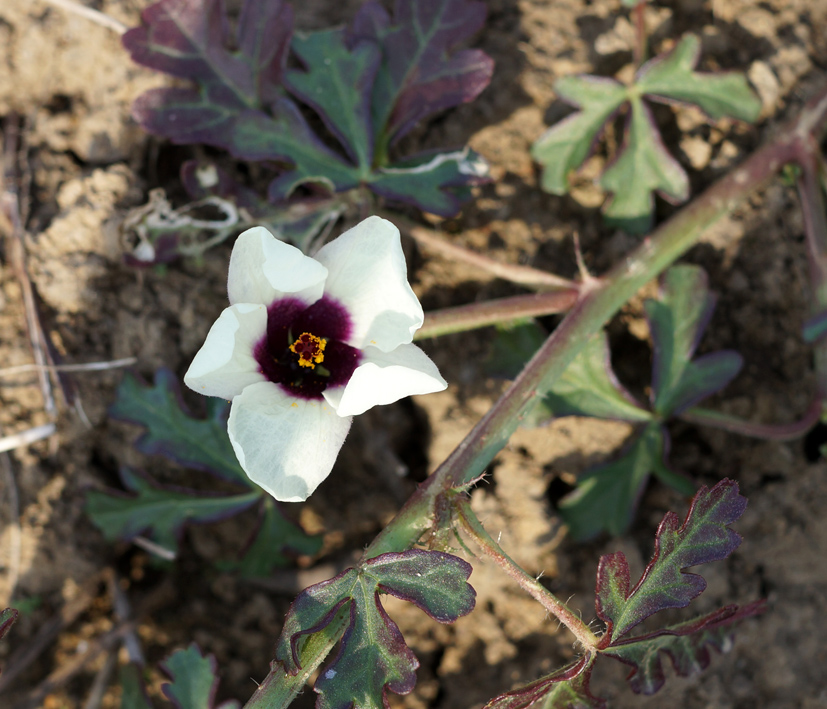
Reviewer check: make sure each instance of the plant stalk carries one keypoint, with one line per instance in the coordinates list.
(473, 527)
(598, 300)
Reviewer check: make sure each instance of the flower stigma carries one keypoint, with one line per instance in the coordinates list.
(310, 349)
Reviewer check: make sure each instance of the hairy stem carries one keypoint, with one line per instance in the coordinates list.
(473, 527)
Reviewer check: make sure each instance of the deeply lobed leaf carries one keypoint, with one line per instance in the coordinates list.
(422, 72)
(677, 320)
(672, 77)
(704, 536)
(373, 657)
(162, 512)
(686, 644)
(606, 496)
(172, 431)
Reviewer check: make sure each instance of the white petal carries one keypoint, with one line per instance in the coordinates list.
(225, 364)
(262, 269)
(367, 274)
(385, 377)
(286, 446)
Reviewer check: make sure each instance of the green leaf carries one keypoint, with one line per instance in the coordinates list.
(606, 497)
(564, 146)
(677, 321)
(194, 681)
(703, 537)
(435, 182)
(589, 387)
(275, 542)
(374, 657)
(643, 166)
(686, 644)
(567, 688)
(671, 76)
(337, 84)
(159, 511)
(133, 691)
(173, 432)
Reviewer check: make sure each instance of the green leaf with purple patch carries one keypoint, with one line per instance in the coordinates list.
(704, 536)
(373, 658)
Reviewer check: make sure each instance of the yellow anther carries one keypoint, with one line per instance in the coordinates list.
(310, 349)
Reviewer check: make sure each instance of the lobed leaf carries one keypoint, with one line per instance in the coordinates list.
(589, 387)
(606, 496)
(704, 536)
(643, 166)
(564, 146)
(422, 72)
(567, 688)
(162, 512)
(672, 77)
(337, 84)
(194, 680)
(677, 321)
(274, 542)
(175, 433)
(7, 618)
(686, 644)
(373, 657)
(435, 182)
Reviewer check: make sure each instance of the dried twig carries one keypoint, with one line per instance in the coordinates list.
(24, 438)
(84, 367)
(95, 16)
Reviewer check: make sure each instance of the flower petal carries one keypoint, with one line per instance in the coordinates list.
(367, 274)
(385, 377)
(262, 269)
(225, 365)
(286, 446)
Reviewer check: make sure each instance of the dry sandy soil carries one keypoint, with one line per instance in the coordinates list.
(85, 163)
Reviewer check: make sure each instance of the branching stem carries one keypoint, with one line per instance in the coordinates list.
(473, 527)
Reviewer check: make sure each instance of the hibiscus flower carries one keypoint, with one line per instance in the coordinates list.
(308, 343)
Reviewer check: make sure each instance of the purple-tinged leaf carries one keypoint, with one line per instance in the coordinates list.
(686, 644)
(435, 182)
(373, 657)
(606, 496)
(422, 72)
(567, 688)
(175, 433)
(7, 618)
(337, 83)
(273, 544)
(677, 320)
(704, 536)
(159, 511)
(191, 39)
(564, 146)
(671, 77)
(642, 167)
(194, 680)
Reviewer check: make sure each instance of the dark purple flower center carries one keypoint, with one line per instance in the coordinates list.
(304, 349)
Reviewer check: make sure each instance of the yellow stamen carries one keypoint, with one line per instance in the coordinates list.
(310, 349)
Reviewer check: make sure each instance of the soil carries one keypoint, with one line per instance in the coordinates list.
(85, 164)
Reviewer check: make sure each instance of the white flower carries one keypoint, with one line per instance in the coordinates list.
(308, 343)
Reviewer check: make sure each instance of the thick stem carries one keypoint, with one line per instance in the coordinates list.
(639, 50)
(493, 312)
(528, 583)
